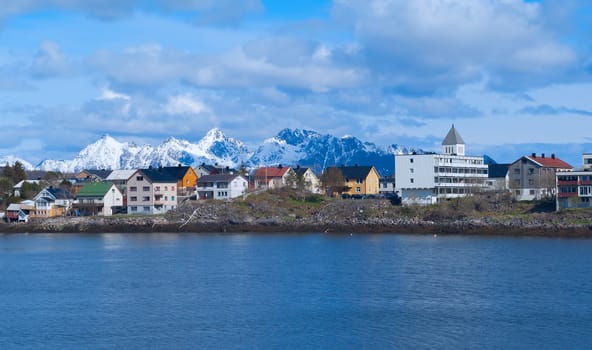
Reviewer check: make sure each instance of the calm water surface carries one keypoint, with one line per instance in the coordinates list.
(137, 291)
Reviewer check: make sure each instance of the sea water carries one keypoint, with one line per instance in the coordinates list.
(293, 291)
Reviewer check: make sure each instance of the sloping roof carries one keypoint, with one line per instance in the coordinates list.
(94, 189)
(453, 138)
(497, 170)
(214, 169)
(159, 175)
(176, 171)
(550, 162)
(356, 172)
(217, 178)
(35, 174)
(300, 170)
(14, 207)
(20, 183)
(271, 171)
(120, 174)
(60, 193)
(100, 173)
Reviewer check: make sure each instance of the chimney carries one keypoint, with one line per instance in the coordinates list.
(533, 155)
(542, 155)
(553, 156)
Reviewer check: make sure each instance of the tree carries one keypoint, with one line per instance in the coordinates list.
(333, 181)
(6, 185)
(18, 172)
(29, 190)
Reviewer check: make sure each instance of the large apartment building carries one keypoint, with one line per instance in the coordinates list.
(427, 178)
(151, 191)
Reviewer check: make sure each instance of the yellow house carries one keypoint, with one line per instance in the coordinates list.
(357, 180)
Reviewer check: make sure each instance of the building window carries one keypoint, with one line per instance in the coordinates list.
(145, 199)
(146, 208)
(410, 160)
(172, 188)
(411, 170)
(411, 180)
(172, 198)
(134, 209)
(139, 178)
(530, 171)
(157, 188)
(358, 189)
(146, 188)
(133, 199)
(532, 192)
(133, 189)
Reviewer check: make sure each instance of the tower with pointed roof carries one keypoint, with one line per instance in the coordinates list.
(430, 177)
(453, 143)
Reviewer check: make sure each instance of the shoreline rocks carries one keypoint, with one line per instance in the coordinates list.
(278, 225)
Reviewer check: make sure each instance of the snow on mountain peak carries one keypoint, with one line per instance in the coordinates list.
(289, 146)
(10, 160)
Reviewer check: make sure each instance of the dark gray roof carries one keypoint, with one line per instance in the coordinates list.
(300, 170)
(100, 173)
(217, 178)
(35, 174)
(453, 138)
(497, 170)
(159, 175)
(176, 171)
(60, 193)
(356, 171)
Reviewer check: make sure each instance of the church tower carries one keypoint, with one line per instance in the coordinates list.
(453, 143)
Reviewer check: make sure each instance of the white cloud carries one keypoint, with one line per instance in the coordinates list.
(50, 61)
(429, 43)
(185, 104)
(108, 94)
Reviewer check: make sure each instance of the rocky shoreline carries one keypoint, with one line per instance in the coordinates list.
(162, 224)
(282, 213)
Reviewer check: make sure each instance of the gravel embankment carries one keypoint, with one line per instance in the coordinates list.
(342, 216)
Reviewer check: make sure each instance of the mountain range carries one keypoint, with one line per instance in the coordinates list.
(288, 147)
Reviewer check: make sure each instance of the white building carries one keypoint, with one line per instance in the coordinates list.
(151, 191)
(428, 178)
(98, 198)
(221, 186)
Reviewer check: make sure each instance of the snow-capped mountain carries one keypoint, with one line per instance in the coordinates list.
(108, 153)
(289, 146)
(10, 160)
(319, 151)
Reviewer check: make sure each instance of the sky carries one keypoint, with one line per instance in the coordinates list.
(513, 76)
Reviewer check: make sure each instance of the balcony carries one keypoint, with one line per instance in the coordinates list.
(567, 183)
(567, 194)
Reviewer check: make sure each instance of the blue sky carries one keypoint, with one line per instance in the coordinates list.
(513, 76)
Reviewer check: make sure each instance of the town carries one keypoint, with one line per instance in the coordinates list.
(419, 179)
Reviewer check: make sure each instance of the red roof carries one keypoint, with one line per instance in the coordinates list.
(550, 162)
(271, 172)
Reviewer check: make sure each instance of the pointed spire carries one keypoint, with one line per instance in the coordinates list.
(453, 138)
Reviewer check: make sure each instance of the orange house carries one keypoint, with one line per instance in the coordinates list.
(186, 178)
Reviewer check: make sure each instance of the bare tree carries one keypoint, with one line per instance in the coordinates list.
(333, 181)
